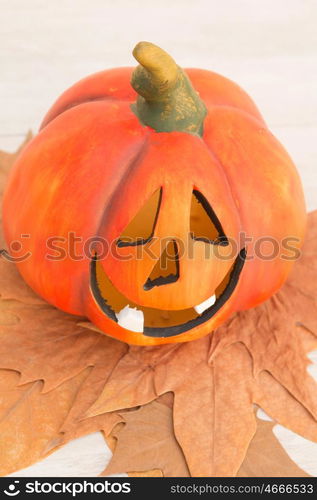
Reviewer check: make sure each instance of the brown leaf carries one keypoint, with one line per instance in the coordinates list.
(224, 419)
(266, 457)
(76, 424)
(53, 340)
(167, 400)
(146, 442)
(12, 286)
(136, 372)
(112, 443)
(280, 405)
(30, 419)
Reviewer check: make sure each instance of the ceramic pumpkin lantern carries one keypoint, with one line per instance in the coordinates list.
(131, 201)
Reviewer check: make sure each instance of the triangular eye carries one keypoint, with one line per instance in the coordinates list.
(141, 228)
(204, 224)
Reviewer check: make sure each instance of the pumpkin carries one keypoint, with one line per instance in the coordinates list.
(156, 209)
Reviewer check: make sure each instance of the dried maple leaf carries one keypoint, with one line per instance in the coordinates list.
(75, 425)
(266, 457)
(29, 419)
(50, 340)
(53, 339)
(146, 441)
(111, 439)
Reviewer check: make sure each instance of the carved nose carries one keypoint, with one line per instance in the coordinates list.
(166, 270)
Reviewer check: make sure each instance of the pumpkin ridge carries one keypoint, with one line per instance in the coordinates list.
(241, 111)
(77, 103)
(132, 165)
(218, 161)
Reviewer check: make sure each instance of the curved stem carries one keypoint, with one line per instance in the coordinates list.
(167, 101)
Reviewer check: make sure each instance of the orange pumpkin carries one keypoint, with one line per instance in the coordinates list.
(131, 201)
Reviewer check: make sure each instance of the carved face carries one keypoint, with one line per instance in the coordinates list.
(173, 264)
(161, 212)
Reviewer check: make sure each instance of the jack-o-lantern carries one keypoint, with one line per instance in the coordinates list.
(155, 209)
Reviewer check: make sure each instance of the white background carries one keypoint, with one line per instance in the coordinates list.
(268, 47)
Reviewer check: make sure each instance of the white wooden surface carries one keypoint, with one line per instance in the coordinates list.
(269, 48)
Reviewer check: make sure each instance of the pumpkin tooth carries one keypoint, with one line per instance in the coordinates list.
(131, 318)
(200, 308)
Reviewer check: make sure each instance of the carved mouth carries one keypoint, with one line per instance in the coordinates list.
(157, 322)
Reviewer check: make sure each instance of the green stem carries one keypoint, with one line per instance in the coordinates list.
(167, 101)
